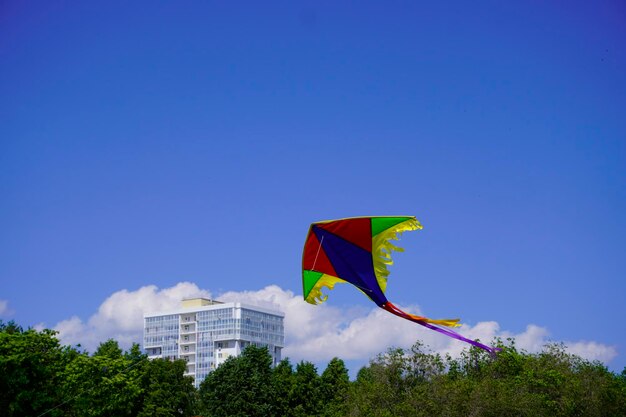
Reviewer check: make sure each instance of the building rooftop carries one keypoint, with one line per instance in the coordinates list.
(199, 306)
(198, 302)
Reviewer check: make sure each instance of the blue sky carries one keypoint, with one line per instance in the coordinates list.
(157, 143)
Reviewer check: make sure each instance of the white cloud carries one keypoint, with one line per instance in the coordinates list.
(120, 316)
(534, 338)
(315, 333)
(5, 311)
(592, 351)
(73, 331)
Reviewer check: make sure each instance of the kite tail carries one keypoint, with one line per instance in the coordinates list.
(442, 322)
(426, 322)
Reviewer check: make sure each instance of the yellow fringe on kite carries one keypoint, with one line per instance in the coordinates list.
(328, 281)
(382, 248)
(381, 255)
(441, 322)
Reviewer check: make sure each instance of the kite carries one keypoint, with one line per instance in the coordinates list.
(357, 250)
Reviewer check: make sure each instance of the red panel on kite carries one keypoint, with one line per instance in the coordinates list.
(357, 231)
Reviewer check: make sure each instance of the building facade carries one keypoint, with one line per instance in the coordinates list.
(205, 333)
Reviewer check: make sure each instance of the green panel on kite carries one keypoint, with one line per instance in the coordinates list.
(380, 224)
(309, 278)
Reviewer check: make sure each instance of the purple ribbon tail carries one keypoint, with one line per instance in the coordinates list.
(455, 335)
(395, 310)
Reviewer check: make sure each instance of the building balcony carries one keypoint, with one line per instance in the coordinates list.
(191, 330)
(187, 319)
(187, 338)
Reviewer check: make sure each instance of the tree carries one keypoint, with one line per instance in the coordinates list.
(334, 384)
(31, 363)
(105, 384)
(241, 386)
(167, 391)
(305, 395)
(110, 349)
(282, 386)
(381, 388)
(550, 383)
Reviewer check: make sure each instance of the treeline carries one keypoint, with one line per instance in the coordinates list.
(40, 377)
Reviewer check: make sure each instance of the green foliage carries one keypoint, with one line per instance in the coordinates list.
(241, 386)
(38, 375)
(282, 385)
(247, 386)
(334, 385)
(102, 385)
(381, 389)
(167, 391)
(551, 383)
(30, 365)
(110, 349)
(305, 394)
(116, 383)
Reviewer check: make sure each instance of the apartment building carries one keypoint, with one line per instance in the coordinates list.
(206, 332)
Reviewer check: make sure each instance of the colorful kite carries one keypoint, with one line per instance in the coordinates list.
(357, 250)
